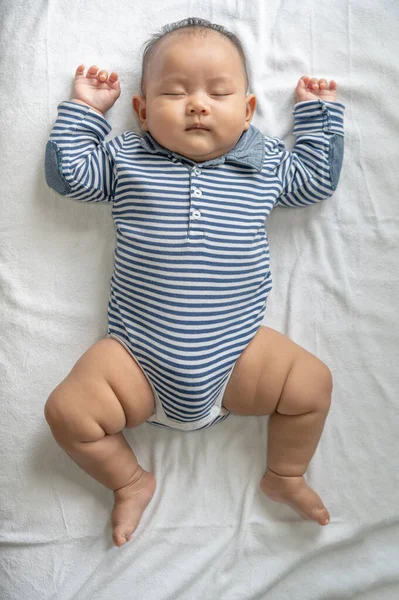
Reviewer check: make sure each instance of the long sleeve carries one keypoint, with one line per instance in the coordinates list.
(79, 163)
(310, 173)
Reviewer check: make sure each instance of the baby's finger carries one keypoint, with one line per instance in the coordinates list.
(313, 84)
(102, 75)
(333, 85)
(323, 84)
(80, 70)
(92, 71)
(113, 77)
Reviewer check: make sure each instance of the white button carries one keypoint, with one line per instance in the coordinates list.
(196, 214)
(215, 411)
(197, 192)
(197, 171)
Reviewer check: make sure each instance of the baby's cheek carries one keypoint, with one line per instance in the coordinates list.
(235, 112)
(162, 111)
(234, 117)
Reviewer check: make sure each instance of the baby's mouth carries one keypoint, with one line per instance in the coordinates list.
(197, 127)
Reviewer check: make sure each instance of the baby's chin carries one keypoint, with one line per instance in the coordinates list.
(194, 153)
(200, 158)
(200, 152)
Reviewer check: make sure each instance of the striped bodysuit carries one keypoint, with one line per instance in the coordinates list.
(191, 273)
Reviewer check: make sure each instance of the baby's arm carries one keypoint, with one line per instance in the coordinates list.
(78, 162)
(310, 173)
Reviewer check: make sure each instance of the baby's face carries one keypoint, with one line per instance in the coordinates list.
(191, 81)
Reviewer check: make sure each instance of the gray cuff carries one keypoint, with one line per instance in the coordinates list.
(335, 158)
(53, 171)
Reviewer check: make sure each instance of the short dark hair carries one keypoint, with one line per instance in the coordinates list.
(197, 26)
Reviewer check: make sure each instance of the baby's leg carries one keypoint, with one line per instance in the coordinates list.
(276, 376)
(105, 392)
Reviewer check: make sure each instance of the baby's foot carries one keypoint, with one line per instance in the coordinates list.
(130, 503)
(296, 493)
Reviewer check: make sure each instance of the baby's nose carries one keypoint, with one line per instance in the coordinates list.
(198, 109)
(198, 105)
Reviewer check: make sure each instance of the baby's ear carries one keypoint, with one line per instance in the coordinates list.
(139, 107)
(251, 107)
(137, 102)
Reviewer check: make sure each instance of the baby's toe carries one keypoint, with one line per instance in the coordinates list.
(321, 515)
(311, 505)
(120, 536)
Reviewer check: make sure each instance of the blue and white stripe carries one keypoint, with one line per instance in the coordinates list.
(191, 276)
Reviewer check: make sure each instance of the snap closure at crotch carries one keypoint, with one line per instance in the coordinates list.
(215, 411)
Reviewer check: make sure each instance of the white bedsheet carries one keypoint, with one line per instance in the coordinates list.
(209, 533)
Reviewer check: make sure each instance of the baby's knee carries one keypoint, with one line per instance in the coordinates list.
(308, 387)
(67, 419)
(54, 412)
(58, 413)
(323, 383)
(321, 377)
(319, 386)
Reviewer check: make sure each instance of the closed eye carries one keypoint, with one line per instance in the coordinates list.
(169, 94)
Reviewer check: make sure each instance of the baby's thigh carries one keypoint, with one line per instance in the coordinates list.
(261, 372)
(106, 391)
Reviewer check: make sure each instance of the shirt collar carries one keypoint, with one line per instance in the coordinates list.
(249, 150)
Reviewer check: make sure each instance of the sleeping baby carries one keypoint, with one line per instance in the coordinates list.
(185, 344)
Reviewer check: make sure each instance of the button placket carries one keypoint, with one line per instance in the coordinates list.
(195, 213)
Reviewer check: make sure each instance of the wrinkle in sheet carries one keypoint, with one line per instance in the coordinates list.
(373, 215)
(87, 585)
(205, 559)
(372, 570)
(388, 590)
(61, 508)
(331, 284)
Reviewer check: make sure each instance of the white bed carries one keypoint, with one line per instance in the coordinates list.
(208, 533)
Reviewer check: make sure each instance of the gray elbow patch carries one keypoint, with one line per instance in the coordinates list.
(52, 170)
(335, 158)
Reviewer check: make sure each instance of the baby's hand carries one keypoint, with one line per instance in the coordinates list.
(313, 89)
(96, 88)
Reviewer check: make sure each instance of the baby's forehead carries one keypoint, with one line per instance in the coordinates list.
(210, 56)
(223, 55)
(175, 40)
(166, 76)
(205, 37)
